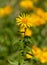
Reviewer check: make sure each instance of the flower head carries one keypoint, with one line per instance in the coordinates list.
(26, 32)
(43, 58)
(41, 13)
(1, 12)
(36, 51)
(36, 20)
(24, 20)
(7, 9)
(40, 54)
(28, 4)
(29, 55)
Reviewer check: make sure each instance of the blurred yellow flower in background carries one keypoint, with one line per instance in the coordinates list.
(43, 57)
(37, 20)
(44, 49)
(40, 54)
(41, 21)
(28, 4)
(41, 13)
(1, 12)
(36, 51)
(7, 9)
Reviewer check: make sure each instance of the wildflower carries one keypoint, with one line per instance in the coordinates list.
(41, 21)
(36, 51)
(1, 12)
(36, 20)
(40, 54)
(22, 30)
(7, 10)
(43, 58)
(26, 32)
(29, 55)
(39, 12)
(27, 4)
(23, 21)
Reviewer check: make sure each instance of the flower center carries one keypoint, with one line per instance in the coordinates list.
(24, 20)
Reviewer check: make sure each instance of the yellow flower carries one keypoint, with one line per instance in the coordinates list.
(22, 29)
(43, 57)
(31, 20)
(40, 54)
(26, 32)
(37, 20)
(41, 13)
(24, 20)
(41, 21)
(7, 10)
(34, 19)
(36, 51)
(28, 56)
(28, 4)
(1, 12)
